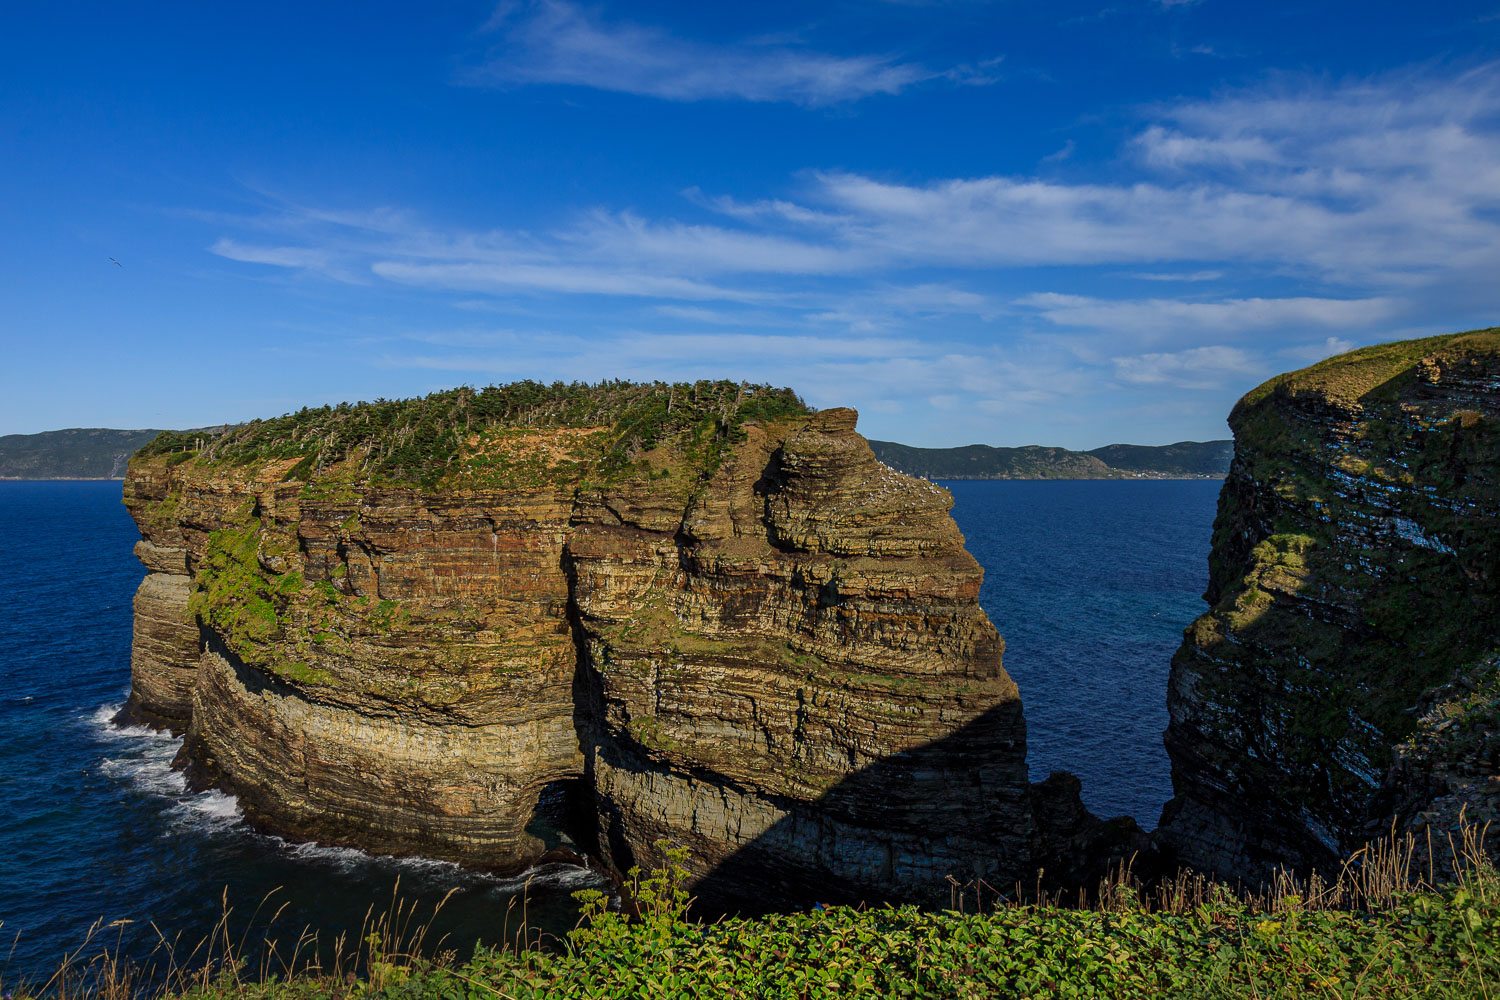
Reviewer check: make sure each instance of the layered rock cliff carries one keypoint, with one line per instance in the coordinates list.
(1355, 566)
(699, 614)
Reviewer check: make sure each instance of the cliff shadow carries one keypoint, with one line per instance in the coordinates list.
(903, 828)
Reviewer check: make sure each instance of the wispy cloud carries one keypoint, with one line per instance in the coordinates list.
(1393, 183)
(480, 276)
(552, 41)
(1195, 368)
(1153, 317)
(296, 258)
(1179, 275)
(1063, 153)
(1325, 215)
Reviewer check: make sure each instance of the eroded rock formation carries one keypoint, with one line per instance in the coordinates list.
(737, 631)
(1355, 565)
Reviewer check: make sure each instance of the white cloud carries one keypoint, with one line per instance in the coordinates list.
(747, 346)
(1065, 152)
(1317, 352)
(1392, 183)
(552, 41)
(481, 276)
(1163, 147)
(303, 258)
(1149, 317)
(1179, 276)
(697, 314)
(1195, 368)
(703, 249)
(937, 298)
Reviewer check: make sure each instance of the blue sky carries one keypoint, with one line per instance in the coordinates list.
(1009, 222)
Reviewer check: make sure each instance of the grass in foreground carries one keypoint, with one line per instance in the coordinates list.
(1374, 932)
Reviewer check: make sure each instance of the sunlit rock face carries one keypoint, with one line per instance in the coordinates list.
(742, 634)
(1355, 564)
(796, 677)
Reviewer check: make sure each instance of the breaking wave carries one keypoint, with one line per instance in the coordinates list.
(140, 758)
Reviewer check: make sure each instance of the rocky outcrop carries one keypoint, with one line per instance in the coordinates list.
(1446, 774)
(1355, 565)
(744, 635)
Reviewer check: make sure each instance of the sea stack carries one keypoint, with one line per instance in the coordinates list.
(467, 625)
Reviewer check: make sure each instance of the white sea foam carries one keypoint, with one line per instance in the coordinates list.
(551, 876)
(140, 758)
(102, 722)
(215, 805)
(352, 858)
(556, 876)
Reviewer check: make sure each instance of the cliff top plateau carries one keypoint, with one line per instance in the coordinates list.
(467, 438)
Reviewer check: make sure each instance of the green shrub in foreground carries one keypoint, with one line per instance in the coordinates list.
(1431, 944)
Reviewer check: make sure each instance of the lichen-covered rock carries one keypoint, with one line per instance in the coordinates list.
(711, 614)
(1355, 564)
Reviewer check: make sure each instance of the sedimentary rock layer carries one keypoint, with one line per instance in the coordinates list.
(1356, 563)
(763, 667)
(746, 636)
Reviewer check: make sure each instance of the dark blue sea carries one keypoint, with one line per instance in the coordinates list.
(1090, 583)
(94, 823)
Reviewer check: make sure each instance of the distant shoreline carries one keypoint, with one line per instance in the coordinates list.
(1182, 460)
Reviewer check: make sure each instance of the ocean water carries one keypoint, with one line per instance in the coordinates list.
(1090, 583)
(94, 823)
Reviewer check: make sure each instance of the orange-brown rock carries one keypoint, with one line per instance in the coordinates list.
(767, 647)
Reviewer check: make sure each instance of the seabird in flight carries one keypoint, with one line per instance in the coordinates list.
(117, 263)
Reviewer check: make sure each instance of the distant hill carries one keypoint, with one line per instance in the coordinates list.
(1183, 460)
(76, 453)
(1192, 458)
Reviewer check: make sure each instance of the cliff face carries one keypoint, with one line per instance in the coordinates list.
(746, 636)
(1355, 565)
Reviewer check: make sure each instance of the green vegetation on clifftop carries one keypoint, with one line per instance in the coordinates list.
(1346, 378)
(434, 439)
